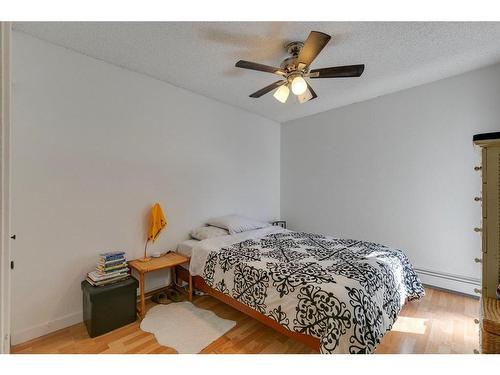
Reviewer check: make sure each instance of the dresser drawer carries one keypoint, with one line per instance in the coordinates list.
(489, 334)
(490, 343)
(484, 199)
(484, 237)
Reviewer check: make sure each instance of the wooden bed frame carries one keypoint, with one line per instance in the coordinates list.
(200, 284)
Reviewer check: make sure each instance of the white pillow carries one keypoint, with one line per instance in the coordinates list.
(204, 233)
(237, 224)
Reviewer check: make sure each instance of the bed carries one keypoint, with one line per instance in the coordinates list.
(336, 295)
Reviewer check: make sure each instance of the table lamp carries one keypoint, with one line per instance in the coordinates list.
(157, 223)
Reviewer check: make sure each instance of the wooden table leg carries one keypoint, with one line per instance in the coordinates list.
(142, 313)
(190, 291)
(173, 274)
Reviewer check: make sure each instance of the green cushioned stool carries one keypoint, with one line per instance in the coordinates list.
(106, 308)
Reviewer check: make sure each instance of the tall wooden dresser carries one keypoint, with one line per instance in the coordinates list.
(490, 232)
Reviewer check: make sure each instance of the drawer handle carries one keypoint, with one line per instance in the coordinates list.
(478, 291)
(476, 321)
(478, 168)
(478, 229)
(478, 199)
(477, 260)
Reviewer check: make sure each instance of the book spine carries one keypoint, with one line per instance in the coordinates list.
(120, 259)
(102, 273)
(111, 255)
(113, 268)
(98, 277)
(110, 259)
(110, 281)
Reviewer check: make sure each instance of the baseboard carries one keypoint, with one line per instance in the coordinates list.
(57, 324)
(46, 328)
(448, 281)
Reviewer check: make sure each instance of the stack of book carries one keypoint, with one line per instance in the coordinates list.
(111, 267)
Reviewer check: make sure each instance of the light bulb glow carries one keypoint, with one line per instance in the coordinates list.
(282, 93)
(299, 85)
(305, 97)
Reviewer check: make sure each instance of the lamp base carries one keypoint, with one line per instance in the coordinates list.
(144, 259)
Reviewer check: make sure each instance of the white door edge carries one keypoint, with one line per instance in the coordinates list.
(5, 128)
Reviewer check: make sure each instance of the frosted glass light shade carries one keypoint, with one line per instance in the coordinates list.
(282, 93)
(299, 85)
(305, 97)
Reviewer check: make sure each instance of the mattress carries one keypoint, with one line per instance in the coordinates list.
(186, 247)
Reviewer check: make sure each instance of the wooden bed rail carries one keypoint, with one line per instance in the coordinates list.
(200, 284)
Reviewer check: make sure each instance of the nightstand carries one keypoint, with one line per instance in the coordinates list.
(167, 261)
(279, 223)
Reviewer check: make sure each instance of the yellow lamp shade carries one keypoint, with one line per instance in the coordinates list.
(157, 222)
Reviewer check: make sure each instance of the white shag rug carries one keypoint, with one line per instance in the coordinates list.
(185, 327)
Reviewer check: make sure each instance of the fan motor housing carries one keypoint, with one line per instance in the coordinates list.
(294, 48)
(290, 63)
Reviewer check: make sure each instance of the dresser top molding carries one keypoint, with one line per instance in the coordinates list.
(487, 139)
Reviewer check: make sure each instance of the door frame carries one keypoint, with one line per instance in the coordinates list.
(5, 170)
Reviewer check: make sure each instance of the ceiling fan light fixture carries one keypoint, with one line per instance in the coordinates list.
(299, 85)
(294, 68)
(282, 93)
(306, 96)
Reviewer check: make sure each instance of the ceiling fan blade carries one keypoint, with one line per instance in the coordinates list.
(313, 45)
(314, 96)
(338, 71)
(265, 90)
(309, 94)
(260, 67)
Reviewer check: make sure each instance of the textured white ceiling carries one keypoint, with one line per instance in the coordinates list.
(200, 56)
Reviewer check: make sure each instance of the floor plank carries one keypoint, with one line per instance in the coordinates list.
(442, 322)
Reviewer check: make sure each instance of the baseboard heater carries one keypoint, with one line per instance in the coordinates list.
(449, 276)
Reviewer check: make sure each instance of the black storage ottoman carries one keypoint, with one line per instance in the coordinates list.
(106, 308)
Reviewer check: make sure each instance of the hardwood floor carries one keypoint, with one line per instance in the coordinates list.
(441, 322)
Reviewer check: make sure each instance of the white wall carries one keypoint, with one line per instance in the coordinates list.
(397, 170)
(93, 147)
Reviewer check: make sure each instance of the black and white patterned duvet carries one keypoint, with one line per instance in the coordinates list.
(347, 293)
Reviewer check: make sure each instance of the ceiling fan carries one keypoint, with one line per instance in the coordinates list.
(296, 67)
